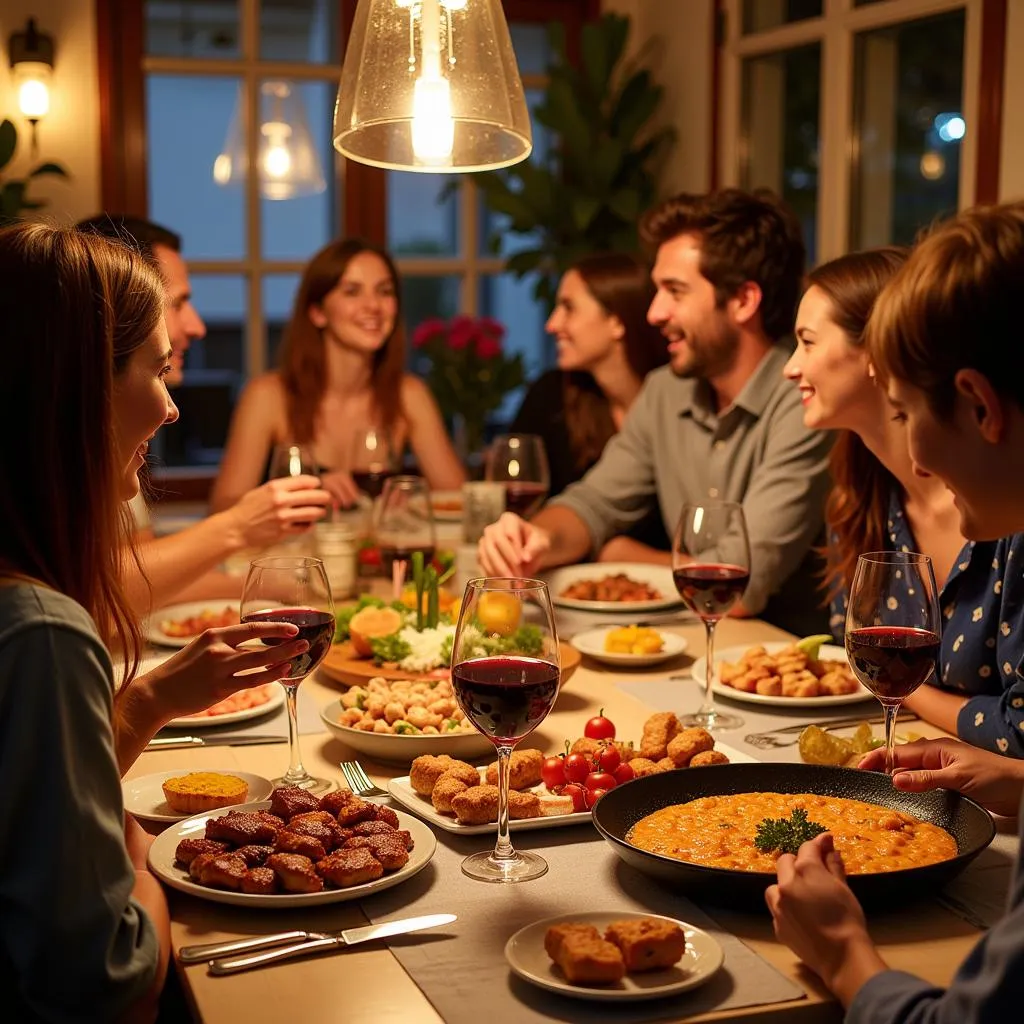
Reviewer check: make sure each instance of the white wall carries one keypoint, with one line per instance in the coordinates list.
(69, 134)
(1011, 165)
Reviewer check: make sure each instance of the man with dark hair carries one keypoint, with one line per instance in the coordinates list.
(717, 423)
(163, 247)
(184, 565)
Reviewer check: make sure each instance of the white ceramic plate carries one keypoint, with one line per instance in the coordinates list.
(155, 635)
(384, 746)
(443, 505)
(161, 862)
(402, 791)
(659, 577)
(527, 957)
(144, 797)
(591, 643)
(828, 652)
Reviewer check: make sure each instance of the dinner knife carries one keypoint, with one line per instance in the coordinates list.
(318, 942)
(229, 740)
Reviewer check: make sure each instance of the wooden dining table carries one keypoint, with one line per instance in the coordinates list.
(369, 984)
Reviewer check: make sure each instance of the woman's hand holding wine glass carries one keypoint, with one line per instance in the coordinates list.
(505, 696)
(892, 629)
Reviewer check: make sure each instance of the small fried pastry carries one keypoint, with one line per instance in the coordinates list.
(445, 788)
(708, 757)
(259, 881)
(524, 769)
(588, 961)
(659, 729)
(287, 801)
(192, 846)
(295, 872)
(647, 944)
(683, 746)
(347, 867)
(478, 805)
(287, 841)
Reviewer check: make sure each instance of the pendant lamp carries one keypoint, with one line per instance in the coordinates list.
(432, 86)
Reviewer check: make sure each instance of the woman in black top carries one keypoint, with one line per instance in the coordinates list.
(606, 348)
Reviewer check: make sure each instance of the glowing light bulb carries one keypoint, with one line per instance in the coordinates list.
(433, 129)
(33, 88)
(222, 169)
(277, 162)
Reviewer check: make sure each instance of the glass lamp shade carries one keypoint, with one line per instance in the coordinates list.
(286, 157)
(32, 82)
(432, 86)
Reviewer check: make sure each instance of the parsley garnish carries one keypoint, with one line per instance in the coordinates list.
(786, 835)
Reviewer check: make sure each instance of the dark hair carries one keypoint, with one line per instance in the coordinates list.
(142, 234)
(73, 307)
(858, 504)
(622, 286)
(744, 236)
(955, 305)
(302, 361)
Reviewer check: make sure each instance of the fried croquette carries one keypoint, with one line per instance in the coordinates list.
(708, 757)
(523, 805)
(683, 746)
(524, 769)
(477, 805)
(426, 769)
(659, 729)
(554, 936)
(589, 961)
(644, 766)
(445, 788)
(647, 944)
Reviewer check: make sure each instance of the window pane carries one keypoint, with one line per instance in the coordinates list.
(214, 370)
(193, 28)
(187, 119)
(495, 225)
(420, 221)
(781, 99)
(278, 299)
(759, 15)
(302, 31)
(510, 301)
(530, 42)
(424, 297)
(296, 225)
(908, 122)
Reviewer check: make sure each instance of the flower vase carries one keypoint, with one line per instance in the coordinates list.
(468, 437)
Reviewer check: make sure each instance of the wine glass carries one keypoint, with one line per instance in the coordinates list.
(506, 695)
(892, 629)
(405, 521)
(711, 569)
(292, 460)
(293, 589)
(520, 462)
(373, 460)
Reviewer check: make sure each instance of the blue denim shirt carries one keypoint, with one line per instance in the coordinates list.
(982, 634)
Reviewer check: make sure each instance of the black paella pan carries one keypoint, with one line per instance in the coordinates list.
(619, 809)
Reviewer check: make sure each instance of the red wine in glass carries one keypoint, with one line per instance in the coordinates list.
(505, 698)
(524, 498)
(711, 590)
(892, 661)
(371, 481)
(389, 555)
(315, 627)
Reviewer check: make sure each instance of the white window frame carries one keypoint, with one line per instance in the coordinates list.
(836, 30)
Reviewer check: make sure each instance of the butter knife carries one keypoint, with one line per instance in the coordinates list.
(317, 942)
(230, 740)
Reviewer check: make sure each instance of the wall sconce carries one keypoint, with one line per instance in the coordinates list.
(431, 85)
(31, 55)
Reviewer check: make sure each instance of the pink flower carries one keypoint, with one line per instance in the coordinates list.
(427, 331)
(487, 347)
(461, 331)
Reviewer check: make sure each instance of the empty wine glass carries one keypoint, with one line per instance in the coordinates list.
(405, 521)
(892, 629)
(505, 696)
(292, 460)
(520, 462)
(711, 569)
(296, 590)
(373, 460)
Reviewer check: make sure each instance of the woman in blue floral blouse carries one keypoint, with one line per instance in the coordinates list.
(881, 501)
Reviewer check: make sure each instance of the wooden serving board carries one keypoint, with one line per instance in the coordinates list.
(342, 665)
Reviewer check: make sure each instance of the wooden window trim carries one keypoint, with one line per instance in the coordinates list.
(990, 100)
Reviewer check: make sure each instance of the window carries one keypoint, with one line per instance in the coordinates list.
(191, 91)
(866, 116)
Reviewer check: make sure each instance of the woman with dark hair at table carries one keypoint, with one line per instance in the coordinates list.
(605, 349)
(84, 933)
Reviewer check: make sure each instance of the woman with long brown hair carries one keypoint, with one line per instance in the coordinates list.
(341, 369)
(84, 335)
(605, 349)
(881, 502)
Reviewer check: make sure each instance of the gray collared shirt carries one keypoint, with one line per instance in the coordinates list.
(675, 448)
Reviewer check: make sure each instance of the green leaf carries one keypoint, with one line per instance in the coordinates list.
(12, 198)
(8, 142)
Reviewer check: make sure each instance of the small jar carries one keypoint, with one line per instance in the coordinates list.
(336, 546)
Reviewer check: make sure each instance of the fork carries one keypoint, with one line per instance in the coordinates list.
(358, 781)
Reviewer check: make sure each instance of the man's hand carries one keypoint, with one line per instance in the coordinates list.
(511, 546)
(278, 509)
(996, 782)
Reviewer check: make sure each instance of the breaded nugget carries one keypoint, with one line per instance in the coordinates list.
(463, 771)
(386, 814)
(242, 827)
(223, 872)
(477, 805)
(666, 764)
(587, 961)
(334, 801)
(287, 801)
(253, 855)
(356, 811)
(324, 817)
(328, 834)
(837, 681)
(192, 846)
(708, 757)
(523, 805)
(347, 867)
(658, 730)
(444, 789)
(259, 881)
(389, 850)
(524, 769)
(647, 944)
(195, 868)
(587, 747)
(643, 766)
(769, 687)
(426, 769)
(295, 872)
(554, 936)
(688, 742)
(802, 685)
(287, 841)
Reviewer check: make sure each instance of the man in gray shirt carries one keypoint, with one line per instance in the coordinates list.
(719, 422)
